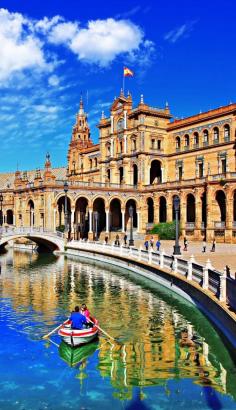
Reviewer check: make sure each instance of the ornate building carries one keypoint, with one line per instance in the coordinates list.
(144, 158)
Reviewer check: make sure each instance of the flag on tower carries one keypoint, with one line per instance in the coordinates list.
(128, 72)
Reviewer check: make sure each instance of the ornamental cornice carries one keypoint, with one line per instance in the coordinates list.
(203, 127)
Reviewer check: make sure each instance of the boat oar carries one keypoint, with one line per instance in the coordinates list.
(103, 331)
(54, 330)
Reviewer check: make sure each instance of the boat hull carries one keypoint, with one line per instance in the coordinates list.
(74, 337)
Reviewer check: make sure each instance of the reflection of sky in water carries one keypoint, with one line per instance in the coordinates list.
(152, 366)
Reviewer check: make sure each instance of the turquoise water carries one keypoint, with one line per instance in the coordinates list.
(151, 366)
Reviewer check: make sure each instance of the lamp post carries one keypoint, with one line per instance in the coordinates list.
(131, 215)
(75, 231)
(1, 201)
(65, 208)
(96, 224)
(176, 209)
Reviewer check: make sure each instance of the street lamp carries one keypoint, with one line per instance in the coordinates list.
(1, 201)
(96, 224)
(131, 215)
(176, 209)
(65, 208)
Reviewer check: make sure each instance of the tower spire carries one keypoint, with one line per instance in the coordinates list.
(81, 105)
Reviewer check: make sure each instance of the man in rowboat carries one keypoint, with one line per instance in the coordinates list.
(77, 319)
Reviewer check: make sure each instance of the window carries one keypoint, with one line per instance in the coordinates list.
(205, 137)
(200, 170)
(95, 162)
(158, 144)
(152, 144)
(108, 150)
(120, 124)
(223, 165)
(177, 143)
(180, 173)
(226, 132)
(215, 135)
(90, 163)
(121, 147)
(196, 139)
(186, 141)
(134, 145)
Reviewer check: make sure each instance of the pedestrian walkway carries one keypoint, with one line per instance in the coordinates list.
(225, 254)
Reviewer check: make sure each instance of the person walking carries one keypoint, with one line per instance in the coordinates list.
(125, 239)
(158, 244)
(213, 248)
(185, 244)
(227, 268)
(151, 242)
(146, 245)
(204, 246)
(106, 240)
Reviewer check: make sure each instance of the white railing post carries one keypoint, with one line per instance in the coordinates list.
(175, 264)
(190, 268)
(223, 277)
(140, 253)
(205, 282)
(162, 254)
(150, 256)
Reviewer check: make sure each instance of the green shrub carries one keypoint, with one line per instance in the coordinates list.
(61, 228)
(165, 230)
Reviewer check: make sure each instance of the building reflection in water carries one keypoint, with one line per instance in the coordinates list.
(153, 327)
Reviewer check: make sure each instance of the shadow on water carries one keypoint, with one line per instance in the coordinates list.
(212, 399)
(137, 403)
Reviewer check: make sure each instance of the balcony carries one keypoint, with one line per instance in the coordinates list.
(186, 148)
(219, 225)
(205, 143)
(216, 141)
(195, 146)
(190, 225)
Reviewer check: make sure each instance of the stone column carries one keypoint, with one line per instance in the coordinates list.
(107, 220)
(183, 216)
(72, 222)
(209, 213)
(123, 220)
(125, 144)
(229, 217)
(125, 119)
(198, 216)
(90, 221)
(54, 219)
(14, 219)
(169, 208)
(112, 124)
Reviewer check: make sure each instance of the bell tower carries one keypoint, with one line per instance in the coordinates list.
(80, 140)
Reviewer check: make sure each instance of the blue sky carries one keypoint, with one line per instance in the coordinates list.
(181, 51)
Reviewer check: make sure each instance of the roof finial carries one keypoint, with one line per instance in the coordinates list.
(81, 105)
(167, 104)
(141, 99)
(102, 117)
(121, 92)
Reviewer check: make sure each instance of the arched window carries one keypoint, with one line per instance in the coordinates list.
(152, 143)
(205, 137)
(195, 140)
(186, 142)
(90, 163)
(216, 135)
(226, 132)
(177, 143)
(120, 124)
(121, 147)
(108, 150)
(133, 144)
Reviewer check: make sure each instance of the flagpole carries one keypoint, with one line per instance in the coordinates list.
(123, 87)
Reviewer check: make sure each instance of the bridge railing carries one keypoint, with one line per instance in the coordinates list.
(27, 230)
(206, 276)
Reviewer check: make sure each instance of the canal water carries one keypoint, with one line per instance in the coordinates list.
(151, 366)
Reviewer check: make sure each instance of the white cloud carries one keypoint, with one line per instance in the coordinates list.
(101, 42)
(20, 49)
(63, 33)
(181, 31)
(54, 80)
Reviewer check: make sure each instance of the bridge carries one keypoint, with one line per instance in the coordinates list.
(44, 238)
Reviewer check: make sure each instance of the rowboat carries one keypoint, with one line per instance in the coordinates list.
(76, 337)
(73, 356)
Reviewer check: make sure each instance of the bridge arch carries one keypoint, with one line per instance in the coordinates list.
(45, 240)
